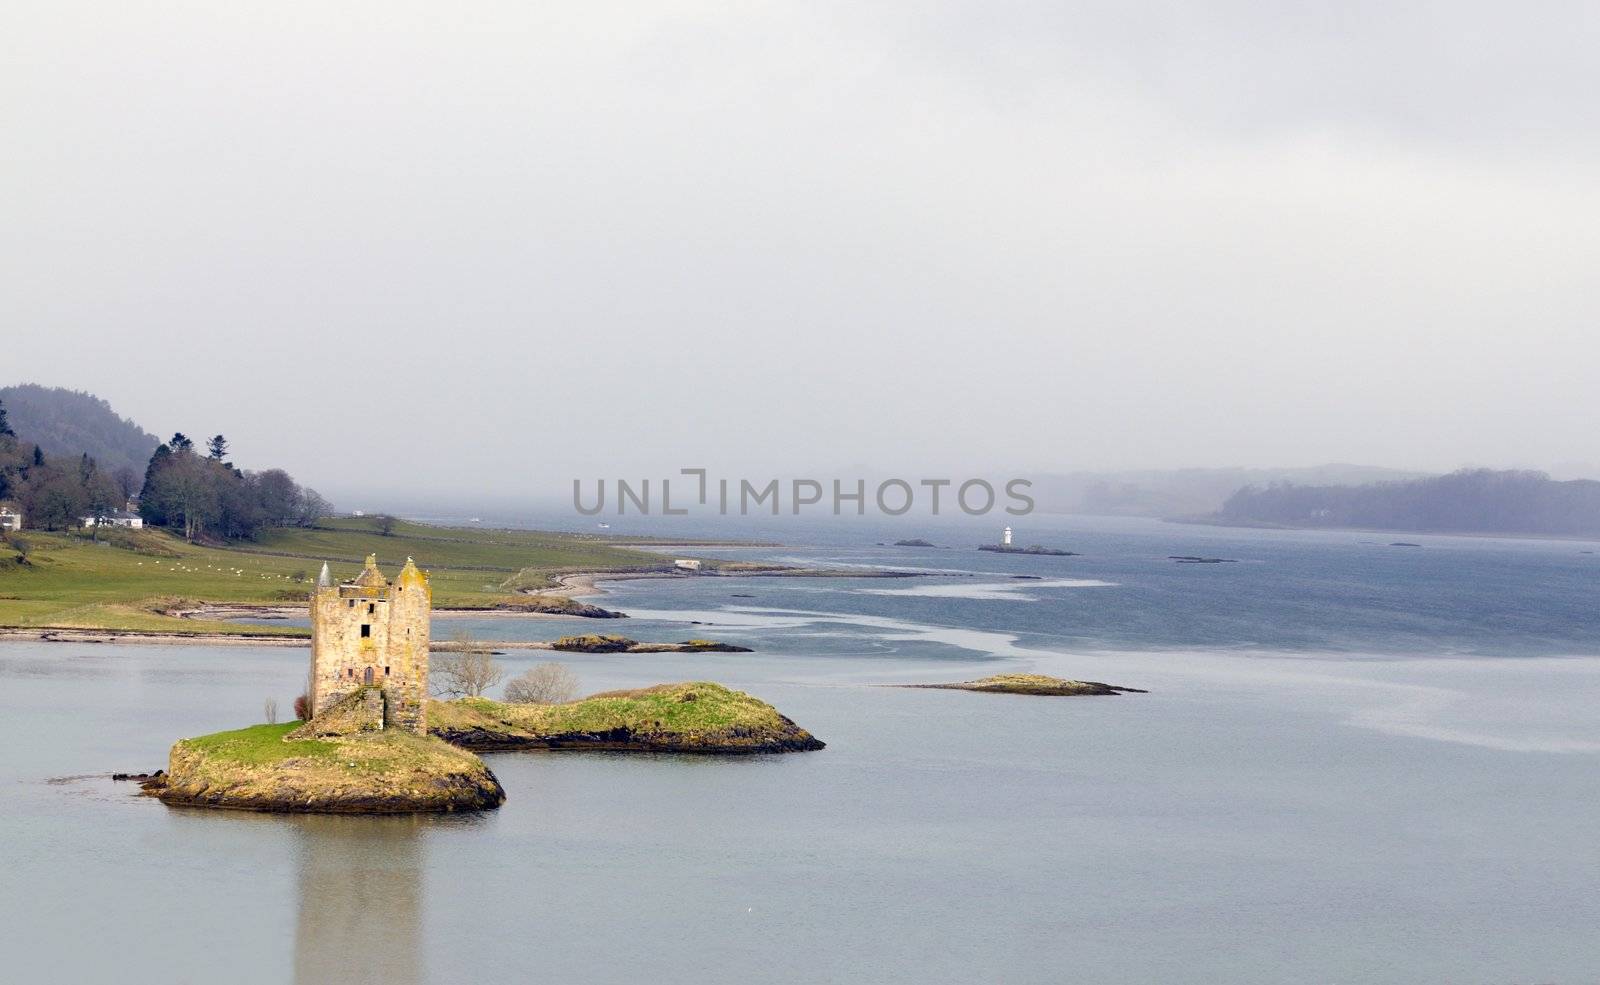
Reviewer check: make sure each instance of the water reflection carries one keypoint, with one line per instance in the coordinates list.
(360, 899)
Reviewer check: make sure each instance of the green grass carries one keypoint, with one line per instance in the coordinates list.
(260, 745)
(128, 581)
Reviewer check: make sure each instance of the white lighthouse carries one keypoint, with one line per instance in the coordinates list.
(1005, 537)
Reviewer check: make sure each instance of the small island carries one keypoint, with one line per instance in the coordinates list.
(1031, 684)
(373, 743)
(266, 768)
(693, 717)
(1200, 559)
(914, 542)
(1034, 549)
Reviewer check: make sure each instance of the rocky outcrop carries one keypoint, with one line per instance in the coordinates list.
(594, 643)
(621, 644)
(1031, 684)
(689, 646)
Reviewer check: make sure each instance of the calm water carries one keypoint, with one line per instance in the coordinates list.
(1358, 763)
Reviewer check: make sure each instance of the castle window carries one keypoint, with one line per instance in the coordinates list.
(386, 671)
(371, 608)
(366, 630)
(352, 603)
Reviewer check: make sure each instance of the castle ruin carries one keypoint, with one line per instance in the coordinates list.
(369, 643)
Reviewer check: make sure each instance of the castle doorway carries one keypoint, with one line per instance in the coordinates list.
(366, 676)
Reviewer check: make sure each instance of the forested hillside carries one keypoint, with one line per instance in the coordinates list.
(1469, 501)
(68, 424)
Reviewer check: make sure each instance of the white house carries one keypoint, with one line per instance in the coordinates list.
(687, 564)
(114, 518)
(10, 517)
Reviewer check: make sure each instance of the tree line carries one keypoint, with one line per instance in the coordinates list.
(56, 492)
(204, 495)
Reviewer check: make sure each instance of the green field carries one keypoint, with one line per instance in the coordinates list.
(130, 579)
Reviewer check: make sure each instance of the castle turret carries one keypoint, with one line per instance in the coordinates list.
(410, 608)
(367, 633)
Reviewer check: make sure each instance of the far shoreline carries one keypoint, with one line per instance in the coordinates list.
(570, 585)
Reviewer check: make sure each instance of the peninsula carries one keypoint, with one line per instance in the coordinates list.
(127, 584)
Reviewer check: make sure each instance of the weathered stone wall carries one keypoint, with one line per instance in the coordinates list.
(361, 710)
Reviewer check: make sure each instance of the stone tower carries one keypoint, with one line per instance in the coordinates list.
(370, 636)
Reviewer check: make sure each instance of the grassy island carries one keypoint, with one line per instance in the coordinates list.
(1032, 684)
(698, 717)
(271, 768)
(387, 772)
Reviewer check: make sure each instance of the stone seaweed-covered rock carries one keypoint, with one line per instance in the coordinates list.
(388, 772)
(594, 643)
(697, 717)
(1031, 684)
(689, 646)
(711, 646)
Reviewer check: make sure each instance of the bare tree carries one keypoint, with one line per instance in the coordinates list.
(466, 671)
(272, 711)
(546, 684)
(386, 525)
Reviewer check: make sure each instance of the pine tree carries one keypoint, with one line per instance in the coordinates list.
(218, 447)
(5, 426)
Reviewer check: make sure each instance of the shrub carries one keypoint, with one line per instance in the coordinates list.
(546, 684)
(465, 672)
(302, 706)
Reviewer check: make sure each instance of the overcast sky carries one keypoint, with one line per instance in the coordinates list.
(496, 245)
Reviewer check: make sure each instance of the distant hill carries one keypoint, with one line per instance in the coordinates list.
(1184, 492)
(67, 423)
(1470, 501)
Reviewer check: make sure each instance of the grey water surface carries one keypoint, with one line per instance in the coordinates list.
(1356, 763)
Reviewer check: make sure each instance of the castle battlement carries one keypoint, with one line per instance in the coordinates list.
(371, 632)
